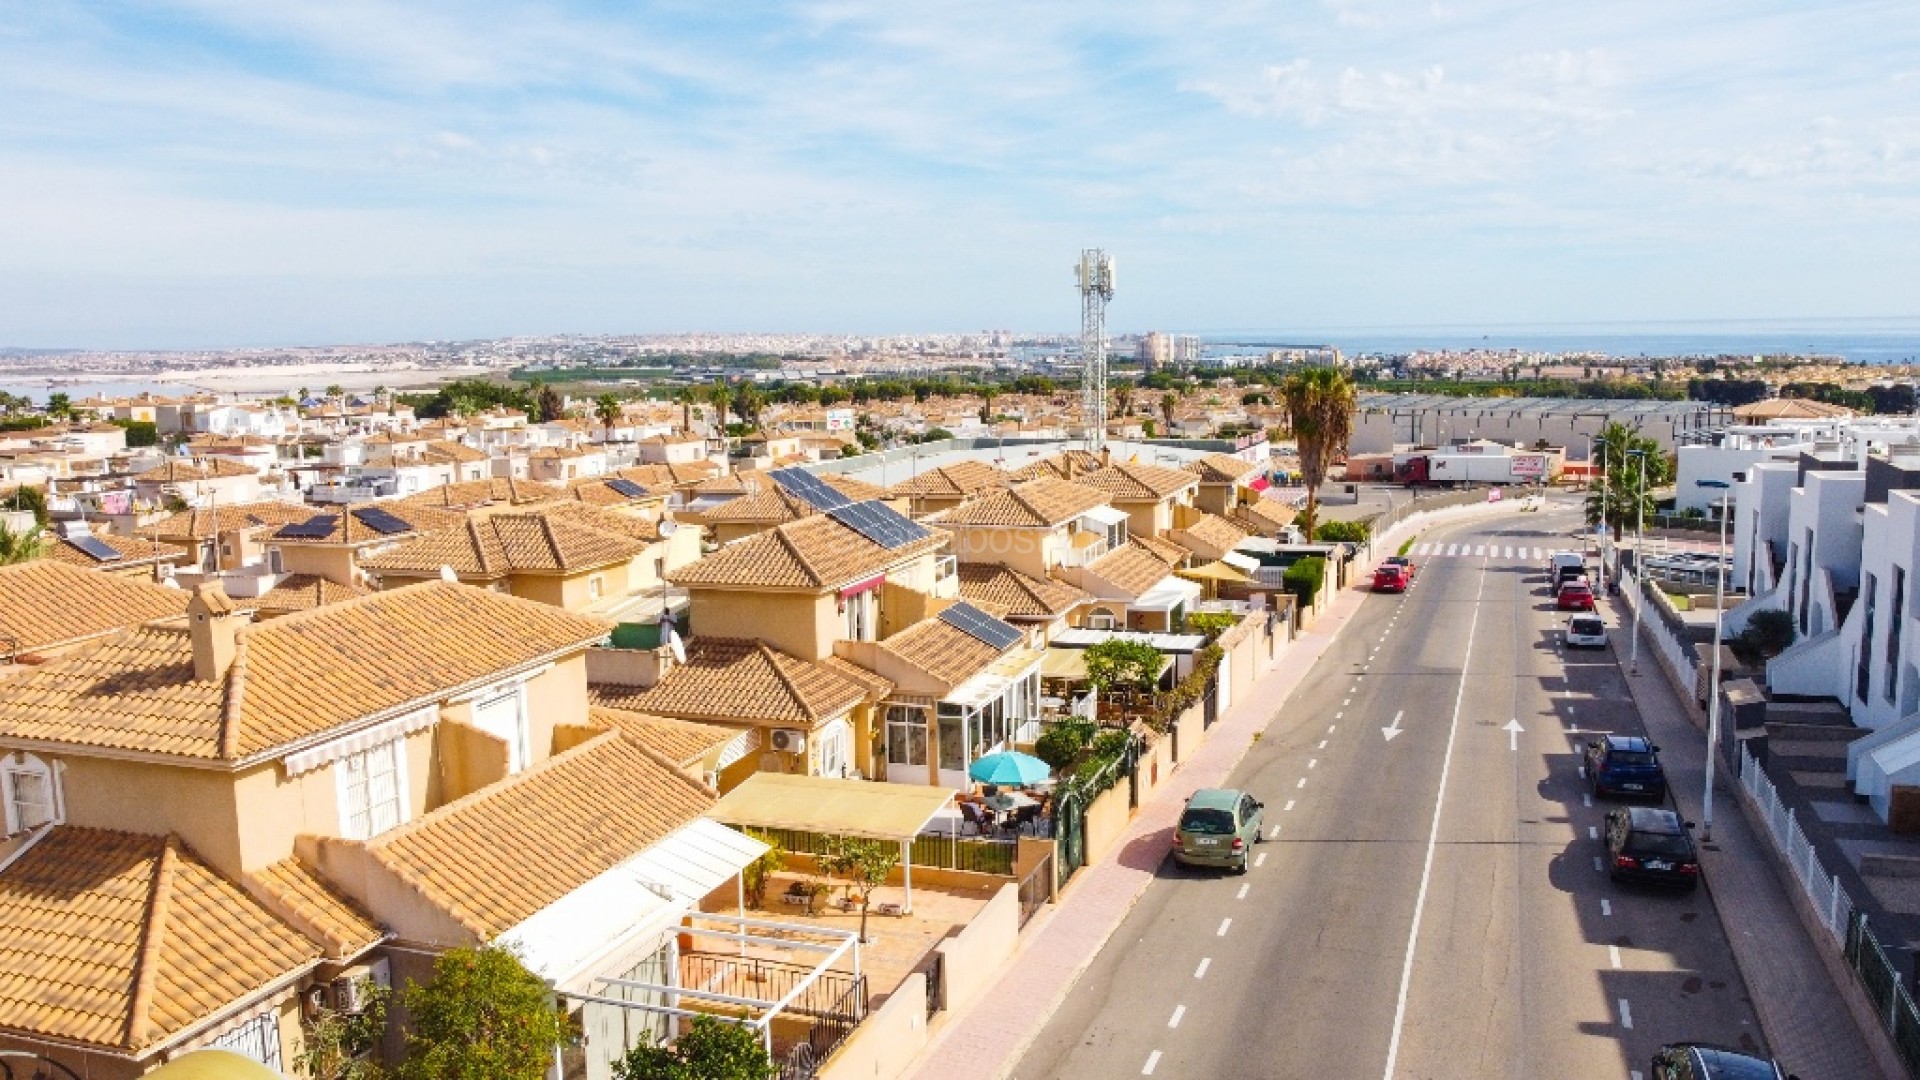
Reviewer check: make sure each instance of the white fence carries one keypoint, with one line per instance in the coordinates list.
(1823, 890)
(1679, 658)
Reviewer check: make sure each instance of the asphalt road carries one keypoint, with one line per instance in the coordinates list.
(1430, 904)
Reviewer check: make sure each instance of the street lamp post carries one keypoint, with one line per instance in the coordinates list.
(1601, 443)
(1713, 685)
(1639, 554)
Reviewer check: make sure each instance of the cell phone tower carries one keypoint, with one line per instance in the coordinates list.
(1095, 273)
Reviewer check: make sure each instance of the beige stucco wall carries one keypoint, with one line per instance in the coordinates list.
(396, 904)
(197, 804)
(336, 564)
(1033, 552)
(1217, 498)
(466, 759)
(804, 624)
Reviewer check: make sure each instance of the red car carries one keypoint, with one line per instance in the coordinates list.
(1575, 595)
(1390, 578)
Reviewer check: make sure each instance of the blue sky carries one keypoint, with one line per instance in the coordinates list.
(231, 172)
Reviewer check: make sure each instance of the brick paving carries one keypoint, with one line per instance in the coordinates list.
(987, 1039)
(1806, 1022)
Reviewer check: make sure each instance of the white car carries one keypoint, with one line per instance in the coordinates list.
(1585, 632)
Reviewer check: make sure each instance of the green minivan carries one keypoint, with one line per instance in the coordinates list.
(1218, 828)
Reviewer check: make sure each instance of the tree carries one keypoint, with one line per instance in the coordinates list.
(59, 406)
(19, 547)
(748, 402)
(33, 499)
(756, 874)
(1122, 662)
(336, 1043)
(336, 391)
(606, 409)
(866, 864)
(1767, 634)
(1123, 399)
(1169, 403)
(484, 1016)
(687, 396)
(548, 406)
(1619, 460)
(1320, 403)
(720, 396)
(710, 1049)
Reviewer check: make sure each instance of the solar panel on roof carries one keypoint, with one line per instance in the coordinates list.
(97, 549)
(627, 487)
(979, 625)
(879, 523)
(808, 488)
(316, 527)
(381, 521)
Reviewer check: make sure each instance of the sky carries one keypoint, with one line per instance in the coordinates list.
(211, 173)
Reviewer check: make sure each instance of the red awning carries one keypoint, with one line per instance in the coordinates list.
(1258, 483)
(868, 585)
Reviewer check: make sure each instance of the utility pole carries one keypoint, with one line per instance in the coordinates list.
(1095, 275)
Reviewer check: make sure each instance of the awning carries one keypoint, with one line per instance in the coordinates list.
(345, 746)
(1170, 593)
(1068, 664)
(1241, 561)
(632, 903)
(213, 1065)
(1106, 515)
(832, 806)
(1218, 570)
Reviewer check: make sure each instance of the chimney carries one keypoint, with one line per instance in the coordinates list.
(1106, 456)
(214, 626)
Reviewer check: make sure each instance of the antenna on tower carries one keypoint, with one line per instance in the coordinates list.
(1095, 274)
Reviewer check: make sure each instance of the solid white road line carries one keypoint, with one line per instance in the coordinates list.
(1606, 907)
(1626, 1015)
(1178, 1012)
(1222, 932)
(1433, 841)
(1201, 971)
(1242, 894)
(1613, 956)
(1153, 1060)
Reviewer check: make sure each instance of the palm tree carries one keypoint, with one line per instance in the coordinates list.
(1320, 403)
(1169, 404)
(606, 408)
(748, 403)
(720, 395)
(1123, 398)
(19, 547)
(686, 396)
(59, 406)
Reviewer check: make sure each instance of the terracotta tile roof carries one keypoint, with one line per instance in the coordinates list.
(877, 688)
(1013, 594)
(1064, 465)
(597, 491)
(684, 742)
(960, 479)
(47, 602)
(207, 523)
(492, 546)
(180, 470)
(1222, 469)
(291, 678)
(121, 941)
(1039, 503)
(1131, 568)
(468, 494)
(759, 508)
(1134, 481)
(946, 652)
(744, 682)
(1213, 531)
(133, 551)
(500, 855)
(300, 897)
(645, 530)
(672, 475)
(299, 592)
(350, 526)
(1263, 517)
(733, 483)
(812, 553)
(1165, 550)
(444, 450)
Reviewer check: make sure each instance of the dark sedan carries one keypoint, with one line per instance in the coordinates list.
(1625, 765)
(1645, 843)
(1698, 1061)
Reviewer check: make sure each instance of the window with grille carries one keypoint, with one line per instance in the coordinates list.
(373, 790)
(258, 1040)
(906, 735)
(26, 784)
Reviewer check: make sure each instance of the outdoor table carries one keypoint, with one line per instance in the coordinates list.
(1012, 800)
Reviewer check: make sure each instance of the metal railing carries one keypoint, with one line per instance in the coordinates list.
(832, 1026)
(1036, 889)
(1679, 655)
(979, 856)
(1830, 901)
(936, 983)
(1892, 1002)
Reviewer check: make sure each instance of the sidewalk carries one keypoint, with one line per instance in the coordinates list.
(1802, 1014)
(987, 1039)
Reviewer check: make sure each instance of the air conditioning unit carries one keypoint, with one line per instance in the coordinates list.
(790, 740)
(1100, 620)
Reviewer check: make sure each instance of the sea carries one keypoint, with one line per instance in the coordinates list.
(1862, 341)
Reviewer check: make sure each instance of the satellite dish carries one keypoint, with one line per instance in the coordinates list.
(668, 528)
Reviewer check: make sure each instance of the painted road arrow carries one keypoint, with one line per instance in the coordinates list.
(1393, 729)
(1513, 730)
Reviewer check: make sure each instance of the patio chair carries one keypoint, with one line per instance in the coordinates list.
(970, 818)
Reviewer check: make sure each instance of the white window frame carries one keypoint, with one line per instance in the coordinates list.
(833, 741)
(355, 804)
(19, 764)
(909, 719)
(519, 751)
(596, 586)
(862, 617)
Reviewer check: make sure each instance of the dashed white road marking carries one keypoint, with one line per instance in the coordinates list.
(1178, 1012)
(1313, 763)
(1286, 808)
(1224, 924)
(1201, 971)
(1587, 799)
(1323, 744)
(1153, 1060)
(1606, 907)
(1329, 729)
(1274, 832)
(1301, 784)
(1593, 833)
(1242, 894)
(1346, 703)
(1337, 716)
(1613, 956)
(1583, 772)
(1626, 1015)
(1260, 859)
(1599, 869)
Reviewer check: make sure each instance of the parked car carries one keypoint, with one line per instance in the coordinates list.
(1390, 578)
(1218, 828)
(1699, 1061)
(1564, 564)
(1646, 843)
(1625, 765)
(1585, 632)
(1403, 562)
(1576, 595)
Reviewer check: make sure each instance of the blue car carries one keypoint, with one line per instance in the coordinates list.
(1625, 765)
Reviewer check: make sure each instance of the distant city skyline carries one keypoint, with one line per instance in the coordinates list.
(217, 174)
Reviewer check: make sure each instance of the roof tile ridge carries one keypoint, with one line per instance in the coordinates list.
(233, 698)
(146, 962)
(553, 543)
(700, 787)
(773, 657)
(780, 533)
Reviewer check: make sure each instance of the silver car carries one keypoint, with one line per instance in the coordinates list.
(1585, 632)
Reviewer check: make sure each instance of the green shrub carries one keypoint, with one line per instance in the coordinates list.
(1304, 578)
(1122, 662)
(1062, 744)
(1211, 623)
(1408, 546)
(1342, 532)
